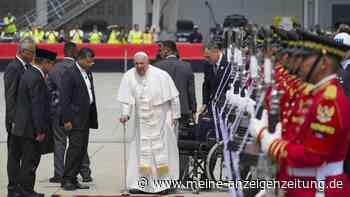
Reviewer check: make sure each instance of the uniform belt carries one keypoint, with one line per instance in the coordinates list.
(327, 169)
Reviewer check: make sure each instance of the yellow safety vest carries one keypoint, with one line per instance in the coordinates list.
(38, 36)
(113, 38)
(76, 38)
(147, 38)
(25, 34)
(124, 39)
(51, 37)
(136, 37)
(95, 38)
(10, 25)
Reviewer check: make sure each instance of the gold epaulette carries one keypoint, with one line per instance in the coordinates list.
(308, 89)
(330, 93)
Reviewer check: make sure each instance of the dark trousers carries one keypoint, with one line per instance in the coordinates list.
(15, 150)
(77, 149)
(60, 139)
(29, 163)
(23, 160)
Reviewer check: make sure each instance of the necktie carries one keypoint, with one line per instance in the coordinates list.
(215, 67)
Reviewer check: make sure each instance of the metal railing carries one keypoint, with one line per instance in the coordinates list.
(58, 13)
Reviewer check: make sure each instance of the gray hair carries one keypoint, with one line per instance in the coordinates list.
(25, 43)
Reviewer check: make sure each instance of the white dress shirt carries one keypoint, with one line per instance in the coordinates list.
(87, 82)
(22, 62)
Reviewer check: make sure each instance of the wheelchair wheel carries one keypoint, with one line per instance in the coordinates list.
(215, 163)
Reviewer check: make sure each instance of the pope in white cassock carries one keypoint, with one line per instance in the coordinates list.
(151, 95)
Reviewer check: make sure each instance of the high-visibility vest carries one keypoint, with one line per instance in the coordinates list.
(52, 37)
(113, 38)
(76, 36)
(124, 39)
(147, 38)
(38, 35)
(95, 37)
(135, 37)
(25, 34)
(10, 25)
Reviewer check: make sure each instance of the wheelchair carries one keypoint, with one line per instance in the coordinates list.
(205, 151)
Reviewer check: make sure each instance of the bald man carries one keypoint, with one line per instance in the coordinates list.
(151, 94)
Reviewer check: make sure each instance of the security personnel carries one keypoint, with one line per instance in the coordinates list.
(123, 36)
(76, 35)
(95, 36)
(318, 150)
(38, 34)
(135, 35)
(52, 37)
(114, 36)
(10, 25)
(26, 33)
(147, 36)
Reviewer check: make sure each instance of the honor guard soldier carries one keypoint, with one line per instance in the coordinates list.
(317, 151)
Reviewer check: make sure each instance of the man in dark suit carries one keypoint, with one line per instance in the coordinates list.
(60, 137)
(216, 69)
(78, 115)
(12, 77)
(182, 75)
(32, 122)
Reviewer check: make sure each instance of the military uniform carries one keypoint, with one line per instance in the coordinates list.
(315, 131)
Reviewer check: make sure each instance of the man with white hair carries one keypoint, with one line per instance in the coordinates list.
(12, 77)
(152, 96)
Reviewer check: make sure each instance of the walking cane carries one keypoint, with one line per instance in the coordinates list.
(125, 189)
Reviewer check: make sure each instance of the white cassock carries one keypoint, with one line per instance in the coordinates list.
(153, 152)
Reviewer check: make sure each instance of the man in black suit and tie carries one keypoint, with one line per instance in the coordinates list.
(216, 69)
(12, 77)
(32, 119)
(60, 137)
(182, 74)
(79, 114)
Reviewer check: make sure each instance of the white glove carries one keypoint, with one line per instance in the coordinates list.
(268, 138)
(241, 102)
(253, 67)
(257, 125)
(238, 57)
(231, 97)
(250, 108)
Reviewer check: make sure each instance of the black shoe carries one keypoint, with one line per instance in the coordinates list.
(87, 179)
(55, 179)
(31, 194)
(14, 193)
(68, 186)
(80, 186)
